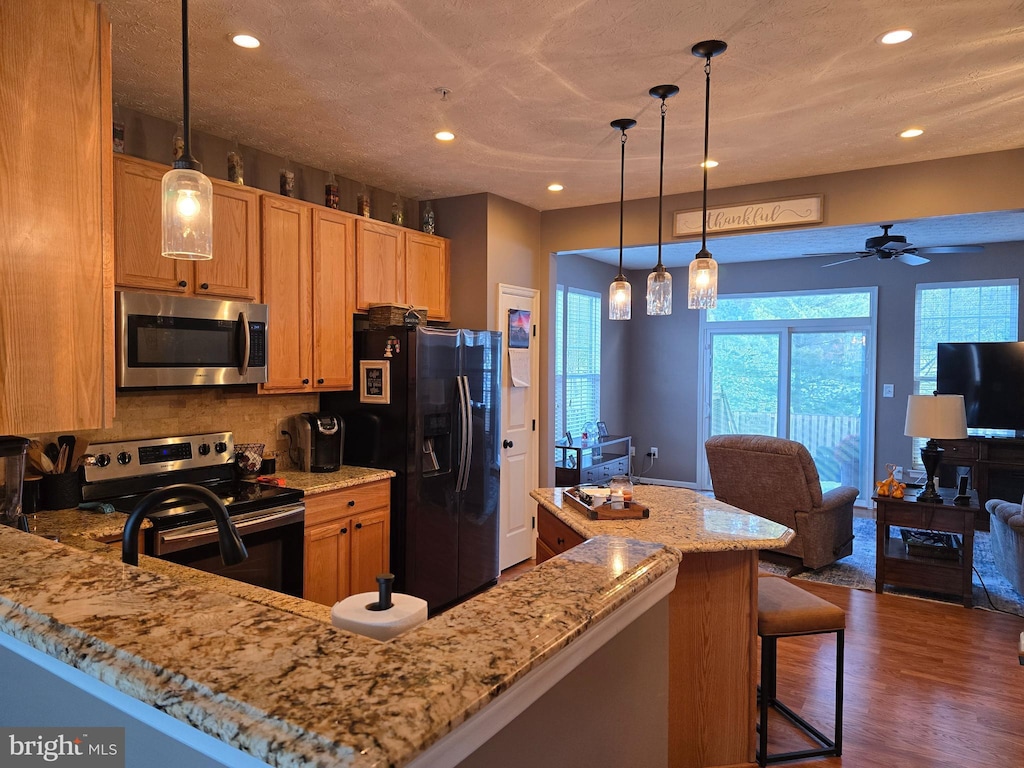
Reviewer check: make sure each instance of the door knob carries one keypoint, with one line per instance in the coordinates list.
(507, 444)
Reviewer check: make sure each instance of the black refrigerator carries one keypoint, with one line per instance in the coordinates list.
(427, 405)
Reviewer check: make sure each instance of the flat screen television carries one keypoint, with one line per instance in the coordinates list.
(990, 376)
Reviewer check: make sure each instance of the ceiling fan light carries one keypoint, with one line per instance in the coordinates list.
(659, 292)
(702, 290)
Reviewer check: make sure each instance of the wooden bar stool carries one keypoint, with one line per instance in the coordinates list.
(785, 610)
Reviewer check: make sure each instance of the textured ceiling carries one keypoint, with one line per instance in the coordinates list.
(804, 88)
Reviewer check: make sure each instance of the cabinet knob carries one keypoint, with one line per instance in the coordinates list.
(351, 502)
(560, 541)
(205, 286)
(183, 283)
(344, 530)
(507, 444)
(305, 381)
(358, 526)
(319, 381)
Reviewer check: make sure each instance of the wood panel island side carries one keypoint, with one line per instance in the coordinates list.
(712, 610)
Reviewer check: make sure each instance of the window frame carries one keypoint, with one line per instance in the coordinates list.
(563, 294)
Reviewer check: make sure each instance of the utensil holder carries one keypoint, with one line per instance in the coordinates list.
(60, 491)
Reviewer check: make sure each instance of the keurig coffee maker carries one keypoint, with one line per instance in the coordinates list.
(320, 438)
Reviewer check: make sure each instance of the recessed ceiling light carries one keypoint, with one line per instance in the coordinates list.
(444, 136)
(710, 164)
(245, 41)
(555, 187)
(896, 36)
(910, 133)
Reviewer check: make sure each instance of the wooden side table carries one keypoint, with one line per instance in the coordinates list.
(894, 566)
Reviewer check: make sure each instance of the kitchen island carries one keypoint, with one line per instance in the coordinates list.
(289, 690)
(712, 611)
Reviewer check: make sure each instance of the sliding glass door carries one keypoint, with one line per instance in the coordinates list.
(808, 376)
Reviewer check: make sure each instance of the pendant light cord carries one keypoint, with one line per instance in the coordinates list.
(622, 201)
(187, 125)
(661, 176)
(707, 113)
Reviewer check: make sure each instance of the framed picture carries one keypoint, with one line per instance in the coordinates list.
(602, 429)
(375, 381)
(568, 438)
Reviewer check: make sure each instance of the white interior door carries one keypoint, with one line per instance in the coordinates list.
(519, 404)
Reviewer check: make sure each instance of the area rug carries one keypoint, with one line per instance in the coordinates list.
(858, 572)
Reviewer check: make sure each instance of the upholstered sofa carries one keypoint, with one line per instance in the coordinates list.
(777, 479)
(1006, 523)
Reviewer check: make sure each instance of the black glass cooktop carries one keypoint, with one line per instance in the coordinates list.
(238, 496)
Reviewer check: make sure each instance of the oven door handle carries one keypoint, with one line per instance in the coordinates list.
(241, 522)
(243, 364)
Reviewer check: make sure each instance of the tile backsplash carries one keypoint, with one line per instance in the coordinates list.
(253, 418)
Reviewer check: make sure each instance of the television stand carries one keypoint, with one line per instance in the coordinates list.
(996, 465)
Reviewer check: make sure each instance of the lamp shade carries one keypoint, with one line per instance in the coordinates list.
(187, 215)
(940, 417)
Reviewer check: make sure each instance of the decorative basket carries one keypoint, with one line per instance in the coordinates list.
(248, 457)
(384, 315)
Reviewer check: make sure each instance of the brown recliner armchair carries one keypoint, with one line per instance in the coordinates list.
(776, 479)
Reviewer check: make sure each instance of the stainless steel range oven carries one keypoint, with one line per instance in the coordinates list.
(269, 518)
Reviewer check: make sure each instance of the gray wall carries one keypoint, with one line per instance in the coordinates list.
(662, 404)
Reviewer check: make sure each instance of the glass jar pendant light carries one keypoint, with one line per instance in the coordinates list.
(187, 194)
(659, 282)
(702, 290)
(620, 294)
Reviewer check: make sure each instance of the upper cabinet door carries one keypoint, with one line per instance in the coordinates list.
(233, 272)
(138, 262)
(426, 274)
(334, 274)
(56, 278)
(286, 278)
(380, 264)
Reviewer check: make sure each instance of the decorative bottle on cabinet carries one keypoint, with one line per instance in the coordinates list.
(428, 219)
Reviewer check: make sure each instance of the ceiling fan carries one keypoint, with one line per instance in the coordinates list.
(886, 246)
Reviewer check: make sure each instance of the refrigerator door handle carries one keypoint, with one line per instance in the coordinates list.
(463, 435)
(469, 432)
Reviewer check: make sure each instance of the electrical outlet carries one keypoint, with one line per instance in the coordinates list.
(632, 450)
(654, 452)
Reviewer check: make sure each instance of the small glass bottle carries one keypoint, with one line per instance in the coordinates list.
(398, 211)
(428, 219)
(236, 168)
(331, 192)
(363, 202)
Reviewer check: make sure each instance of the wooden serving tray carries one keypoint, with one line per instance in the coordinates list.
(598, 509)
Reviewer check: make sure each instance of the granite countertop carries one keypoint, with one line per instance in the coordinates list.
(291, 690)
(320, 482)
(680, 518)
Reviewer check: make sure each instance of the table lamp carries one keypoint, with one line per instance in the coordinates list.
(937, 417)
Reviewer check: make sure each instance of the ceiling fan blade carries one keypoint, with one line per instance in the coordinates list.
(858, 254)
(912, 259)
(896, 247)
(952, 249)
(844, 261)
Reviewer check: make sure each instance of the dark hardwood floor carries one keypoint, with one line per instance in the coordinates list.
(927, 684)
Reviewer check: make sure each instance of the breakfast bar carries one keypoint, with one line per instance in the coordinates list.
(712, 611)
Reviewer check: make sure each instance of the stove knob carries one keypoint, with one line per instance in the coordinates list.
(103, 460)
(204, 449)
(220, 447)
(124, 458)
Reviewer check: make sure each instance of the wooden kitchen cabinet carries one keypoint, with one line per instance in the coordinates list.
(553, 536)
(56, 253)
(395, 265)
(309, 286)
(427, 267)
(233, 273)
(347, 541)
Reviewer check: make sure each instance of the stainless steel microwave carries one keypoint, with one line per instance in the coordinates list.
(180, 341)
